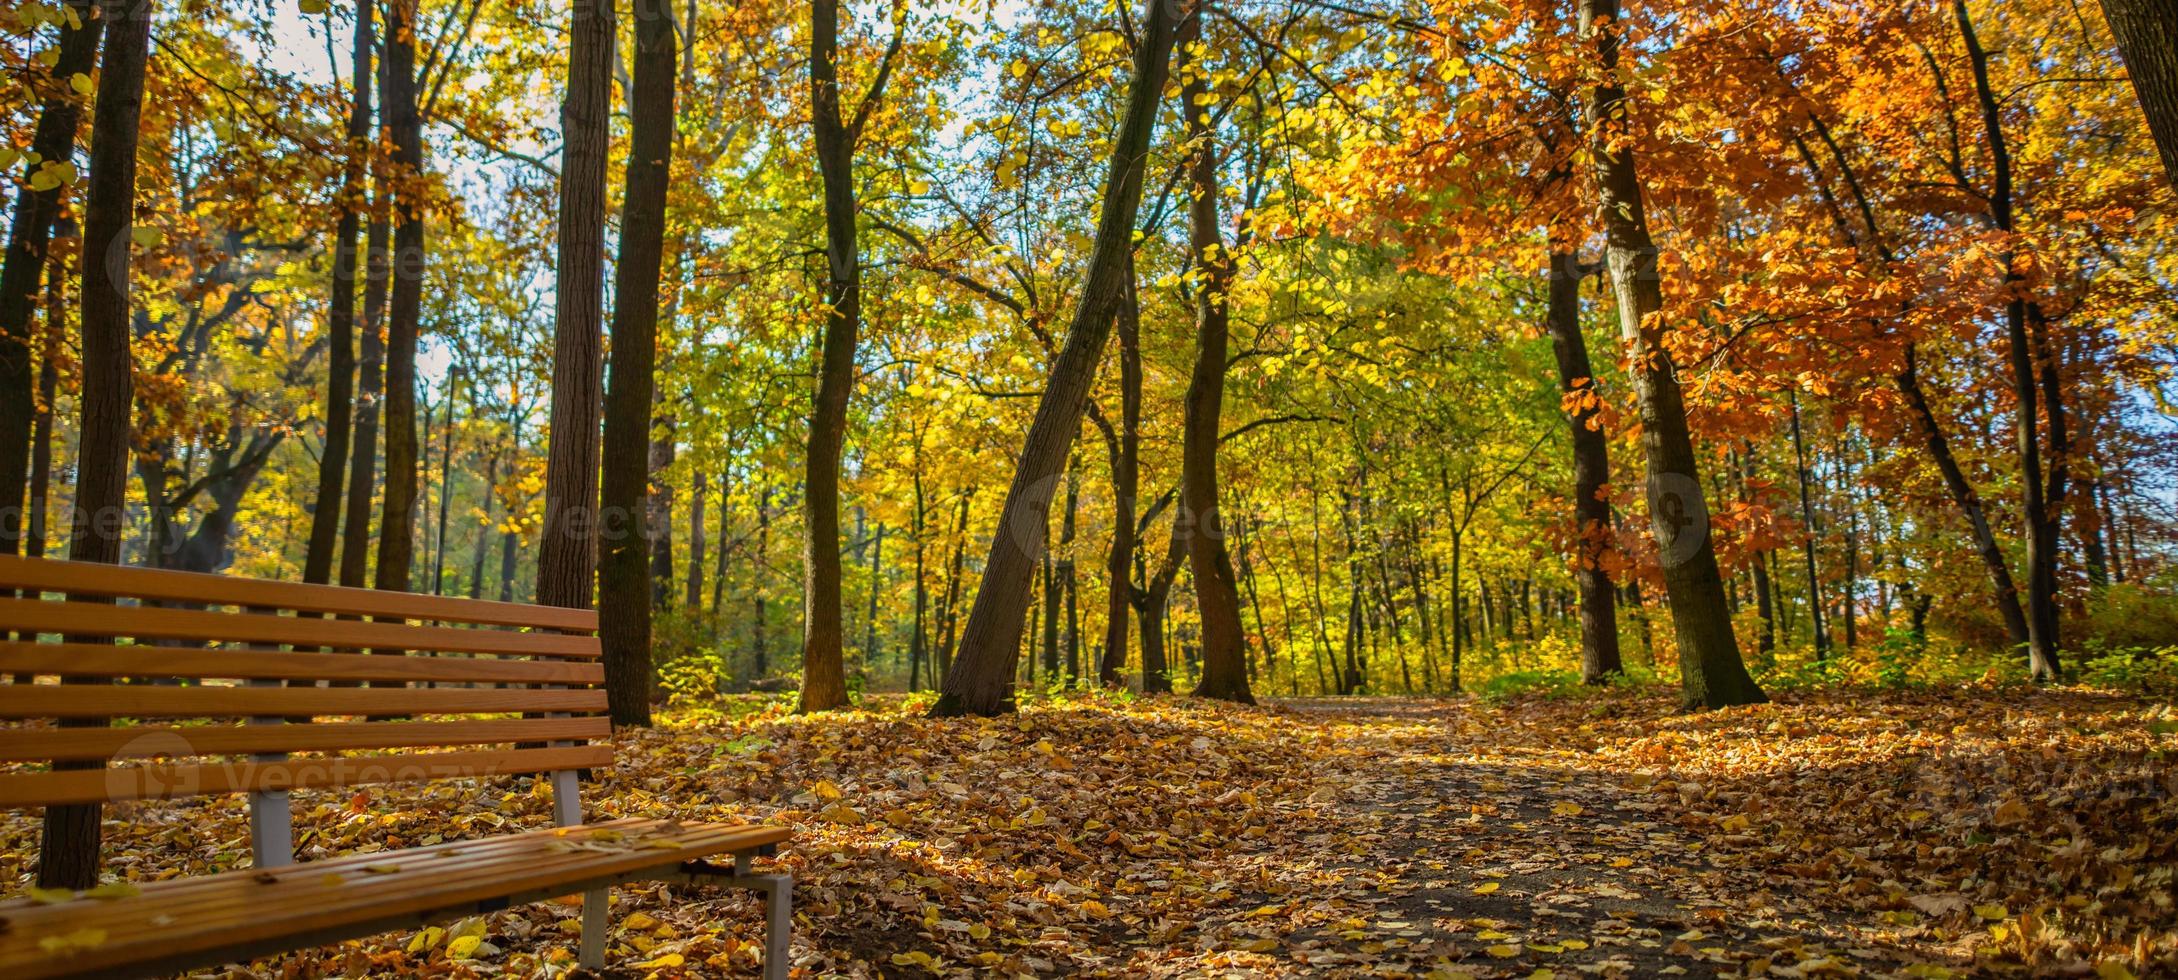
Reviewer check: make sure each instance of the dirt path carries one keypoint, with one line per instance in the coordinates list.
(1457, 861)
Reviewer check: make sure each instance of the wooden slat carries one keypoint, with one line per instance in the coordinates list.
(100, 660)
(160, 782)
(189, 920)
(89, 578)
(148, 741)
(150, 701)
(147, 622)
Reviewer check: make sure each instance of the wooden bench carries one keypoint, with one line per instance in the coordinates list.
(532, 672)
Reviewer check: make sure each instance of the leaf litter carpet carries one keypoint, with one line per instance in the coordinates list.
(1838, 833)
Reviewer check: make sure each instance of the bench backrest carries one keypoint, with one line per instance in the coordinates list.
(205, 666)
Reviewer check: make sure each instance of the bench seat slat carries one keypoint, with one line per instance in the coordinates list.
(88, 578)
(146, 741)
(191, 919)
(99, 660)
(163, 781)
(152, 622)
(157, 701)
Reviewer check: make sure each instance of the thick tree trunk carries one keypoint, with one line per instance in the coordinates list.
(2041, 517)
(981, 679)
(340, 317)
(624, 594)
(2147, 34)
(28, 235)
(824, 677)
(68, 854)
(1126, 482)
(1217, 589)
(404, 311)
(1711, 672)
(566, 550)
(1591, 471)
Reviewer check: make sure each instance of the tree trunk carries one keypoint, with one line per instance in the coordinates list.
(355, 534)
(397, 514)
(68, 855)
(1591, 471)
(981, 679)
(624, 594)
(1217, 589)
(28, 236)
(35, 524)
(760, 658)
(824, 678)
(566, 560)
(692, 592)
(2144, 30)
(484, 532)
(1807, 543)
(1710, 669)
(340, 317)
(1765, 607)
(1126, 482)
(1150, 603)
(446, 480)
(877, 579)
(659, 520)
(2041, 518)
(918, 643)
(2003, 593)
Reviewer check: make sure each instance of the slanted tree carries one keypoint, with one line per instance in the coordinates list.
(37, 207)
(68, 856)
(340, 311)
(980, 679)
(565, 562)
(624, 595)
(1711, 673)
(2147, 35)
(1591, 465)
(824, 678)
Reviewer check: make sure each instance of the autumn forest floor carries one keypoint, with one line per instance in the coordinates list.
(1979, 832)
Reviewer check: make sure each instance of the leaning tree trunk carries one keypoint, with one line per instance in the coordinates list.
(36, 210)
(68, 856)
(980, 681)
(1710, 669)
(2041, 517)
(624, 595)
(404, 308)
(2003, 593)
(1217, 589)
(1592, 537)
(824, 679)
(565, 552)
(2147, 35)
(340, 318)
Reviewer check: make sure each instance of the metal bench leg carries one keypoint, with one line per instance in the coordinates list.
(595, 911)
(778, 925)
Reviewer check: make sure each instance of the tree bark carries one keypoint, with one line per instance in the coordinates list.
(68, 856)
(355, 534)
(1126, 486)
(1217, 588)
(404, 311)
(340, 317)
(698, 541)
(1150, 602)
(1710, 670)
(660, 516)
(35, 525)
(2145, 35)
(29, 234)
(2042, 643)
(1815, 613)
(624, 593)
(980, 681)
(824, 678)
(1592, 537)
(566, 549)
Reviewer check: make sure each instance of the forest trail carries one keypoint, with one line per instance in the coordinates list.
(1534, 861)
